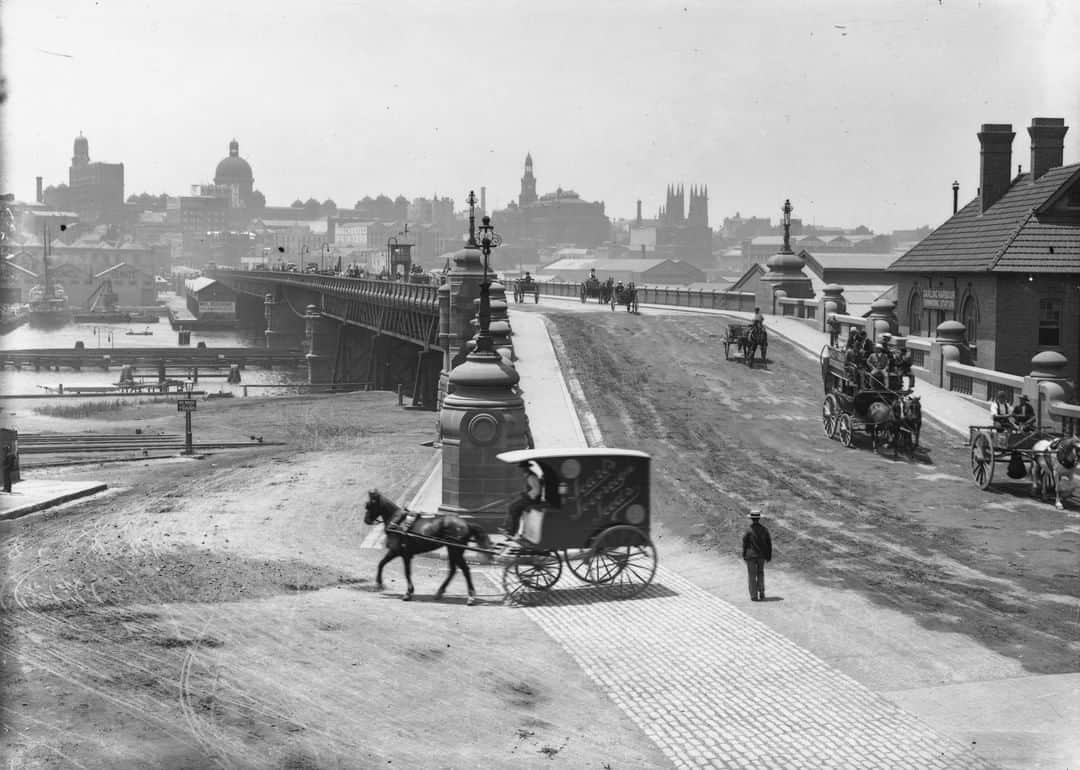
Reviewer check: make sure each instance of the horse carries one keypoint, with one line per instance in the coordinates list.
(1053, 463)
(756, 337)
(447, 530)
(907, 418)
(883, 419)
(625, 295)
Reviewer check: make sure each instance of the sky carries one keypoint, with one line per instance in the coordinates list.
(860, 113)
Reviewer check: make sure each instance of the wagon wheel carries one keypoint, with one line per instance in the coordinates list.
(844, 431)
(829, 411)
(527, 579)
(982, 460)
(623, 558)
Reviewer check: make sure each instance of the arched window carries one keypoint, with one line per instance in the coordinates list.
(915, 313)
(969, 317)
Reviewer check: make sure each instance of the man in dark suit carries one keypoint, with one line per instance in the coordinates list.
(756, 550)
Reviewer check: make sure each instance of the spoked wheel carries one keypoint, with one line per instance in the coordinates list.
(829, 411)
(527, 579)
(982, 460)
(844, 431)
(623, 558)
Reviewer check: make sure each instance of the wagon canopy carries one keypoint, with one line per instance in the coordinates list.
(590, 490)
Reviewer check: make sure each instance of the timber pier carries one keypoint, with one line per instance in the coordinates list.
(153, 359)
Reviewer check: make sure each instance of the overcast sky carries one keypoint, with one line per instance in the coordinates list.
(860, 112)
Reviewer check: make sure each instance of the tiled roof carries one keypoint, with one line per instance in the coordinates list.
(1009, 237)
(852, 260)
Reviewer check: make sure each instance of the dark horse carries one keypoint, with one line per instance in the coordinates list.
(756, 337)
(447, 530)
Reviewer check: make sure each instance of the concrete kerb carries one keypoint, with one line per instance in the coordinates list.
(49, 495)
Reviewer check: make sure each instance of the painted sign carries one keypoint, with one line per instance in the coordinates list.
(938, 299)
(217, 307)
(186, 405)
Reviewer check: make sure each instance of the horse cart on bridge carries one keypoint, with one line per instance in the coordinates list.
(855, 402)
(1047, 459)
(747, 339)
(524, 287)
(593, 288)
(625, 296)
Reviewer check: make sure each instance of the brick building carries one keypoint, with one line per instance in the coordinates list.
(1007, 264)
(95, 190)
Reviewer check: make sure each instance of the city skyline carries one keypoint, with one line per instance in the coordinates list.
(861, 116)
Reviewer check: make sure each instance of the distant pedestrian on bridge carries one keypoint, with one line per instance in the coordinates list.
(756, 550)
(833, 326)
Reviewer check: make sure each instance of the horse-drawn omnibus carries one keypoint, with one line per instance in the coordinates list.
(857, 402)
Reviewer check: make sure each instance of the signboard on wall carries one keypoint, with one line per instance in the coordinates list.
(938, 299)
(217, 307)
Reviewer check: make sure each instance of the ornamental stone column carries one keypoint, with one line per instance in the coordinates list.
(320, 346)
(947, 346)
(1048, 383)
(482, 413)
(784, 270)
(883, 320)
(832, 303)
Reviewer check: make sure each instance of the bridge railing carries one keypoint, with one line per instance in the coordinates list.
(675, 296)
(397, 293)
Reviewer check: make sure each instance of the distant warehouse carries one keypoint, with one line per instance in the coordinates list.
(210, 301)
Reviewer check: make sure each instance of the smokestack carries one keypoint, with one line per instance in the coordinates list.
(955, 196)
(483, 200)
(995, 163)
(1047, 144)
(41, 194)
(639, 211)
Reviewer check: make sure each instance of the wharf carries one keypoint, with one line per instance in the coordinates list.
(150, 357)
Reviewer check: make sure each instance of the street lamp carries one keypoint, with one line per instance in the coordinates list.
(787, 226)
(489, 239)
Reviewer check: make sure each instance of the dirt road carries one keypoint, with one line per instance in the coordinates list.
(913, 535)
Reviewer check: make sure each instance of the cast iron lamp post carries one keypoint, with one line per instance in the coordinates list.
(787, 226)
(489, 240)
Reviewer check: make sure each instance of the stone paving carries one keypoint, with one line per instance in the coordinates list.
(715, 688)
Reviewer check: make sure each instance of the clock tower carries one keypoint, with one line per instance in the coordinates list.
(528, 184)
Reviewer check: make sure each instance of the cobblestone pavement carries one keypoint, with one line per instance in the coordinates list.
(715, 688)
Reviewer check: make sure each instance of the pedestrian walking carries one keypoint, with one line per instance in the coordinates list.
(756, 550)
(9, 468)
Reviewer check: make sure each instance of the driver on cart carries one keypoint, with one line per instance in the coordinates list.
(758, 319)
(532, 494)
(1023, 416)
(528, 279)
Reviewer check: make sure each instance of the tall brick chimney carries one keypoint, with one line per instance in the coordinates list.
(41, 195)
(1047, 144)
(639, 211)
(483, 200)
(995, 167)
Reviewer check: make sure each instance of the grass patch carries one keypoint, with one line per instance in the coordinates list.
(86, 409)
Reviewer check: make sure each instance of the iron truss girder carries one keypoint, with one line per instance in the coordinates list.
(407, 311)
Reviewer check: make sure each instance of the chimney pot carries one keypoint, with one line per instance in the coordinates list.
(1047, 144)
(995, 140)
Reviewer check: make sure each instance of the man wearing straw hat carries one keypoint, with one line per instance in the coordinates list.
(756, 550)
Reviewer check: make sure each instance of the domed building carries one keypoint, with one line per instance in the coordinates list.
(234, 171)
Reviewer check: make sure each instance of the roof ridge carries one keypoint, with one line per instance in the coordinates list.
(1009, 242)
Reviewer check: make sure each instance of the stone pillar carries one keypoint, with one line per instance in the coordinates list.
(320, 346)
(276, 339)
(776, 306)
(947, 346)
(1046, 384)
(832, 303)
(883, 319)
(785, 274)
(481, 417)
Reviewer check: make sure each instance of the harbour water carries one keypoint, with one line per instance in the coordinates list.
(106, 337)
